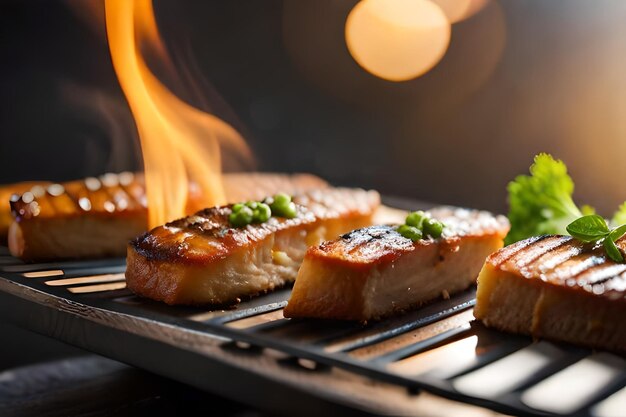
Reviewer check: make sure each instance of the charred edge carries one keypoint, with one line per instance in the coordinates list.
(597, 281)
(553, 243)
(510, 251)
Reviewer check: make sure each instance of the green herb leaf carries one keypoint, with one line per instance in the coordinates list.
(620, 215)
(612, 250)
(542, 202)
(618, 232)
(588, 228)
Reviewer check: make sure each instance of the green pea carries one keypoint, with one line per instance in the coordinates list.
(262, 213)
(281, 199)
(288, 211)
(410, 232)
(416, 219)
(252, 204)
(237, 207)
(241, 218)
(433, 228)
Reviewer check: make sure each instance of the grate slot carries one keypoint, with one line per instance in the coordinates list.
(89, 265)
(413, 336)
(423, 345)
(44, 274)
(94, 279)
(612, 406)
(508, 373)
(258, 320)
(97, 288)
(576, 386)
(382, 331)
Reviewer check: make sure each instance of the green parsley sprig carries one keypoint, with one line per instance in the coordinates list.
(593, 228)
(541, 203)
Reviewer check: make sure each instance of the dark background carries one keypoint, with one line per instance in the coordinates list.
(519, 77)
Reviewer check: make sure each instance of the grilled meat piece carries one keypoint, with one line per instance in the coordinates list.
(96, 217)
(201, 259)
(557, 288)
(6, 192)
(375, 272)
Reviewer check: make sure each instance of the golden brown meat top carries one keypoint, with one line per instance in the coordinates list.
(378, 244)
(124, 193)
(565, 262)
(207, 235)
(106, 195)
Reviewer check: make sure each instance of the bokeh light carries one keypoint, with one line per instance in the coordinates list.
(397, 40)
(458, 10)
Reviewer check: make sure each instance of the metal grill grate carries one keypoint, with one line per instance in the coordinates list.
(437, 348)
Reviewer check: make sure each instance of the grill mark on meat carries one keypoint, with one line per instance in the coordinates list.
(568, 262)
(216, 238)
(528, 254)
(600, 274)
(552, 259)
(503, 255)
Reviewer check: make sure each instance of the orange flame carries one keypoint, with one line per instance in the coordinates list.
(180, 144)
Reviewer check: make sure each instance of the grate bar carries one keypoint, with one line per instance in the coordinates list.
(396, 331)
(258, 323)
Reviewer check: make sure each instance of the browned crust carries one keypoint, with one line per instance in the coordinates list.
(376, 245)
(118, 200)
(564, 262)
(124, 194)
(207, 236)
(334, 275)
(556, 288)
(545, 311)
(161, 262)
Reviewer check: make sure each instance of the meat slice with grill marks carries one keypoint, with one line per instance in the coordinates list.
(375, 272)
(201, 259)
(96, 217)
(557, 288)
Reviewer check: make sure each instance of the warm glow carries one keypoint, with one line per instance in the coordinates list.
(457, 10)
(180, 144)
(397, 39)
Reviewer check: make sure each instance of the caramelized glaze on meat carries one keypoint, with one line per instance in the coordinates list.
(376, 272)
(97, 216)
(556, 287)
(201, 259)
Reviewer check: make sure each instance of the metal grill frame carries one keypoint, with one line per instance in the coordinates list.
(148, 334)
